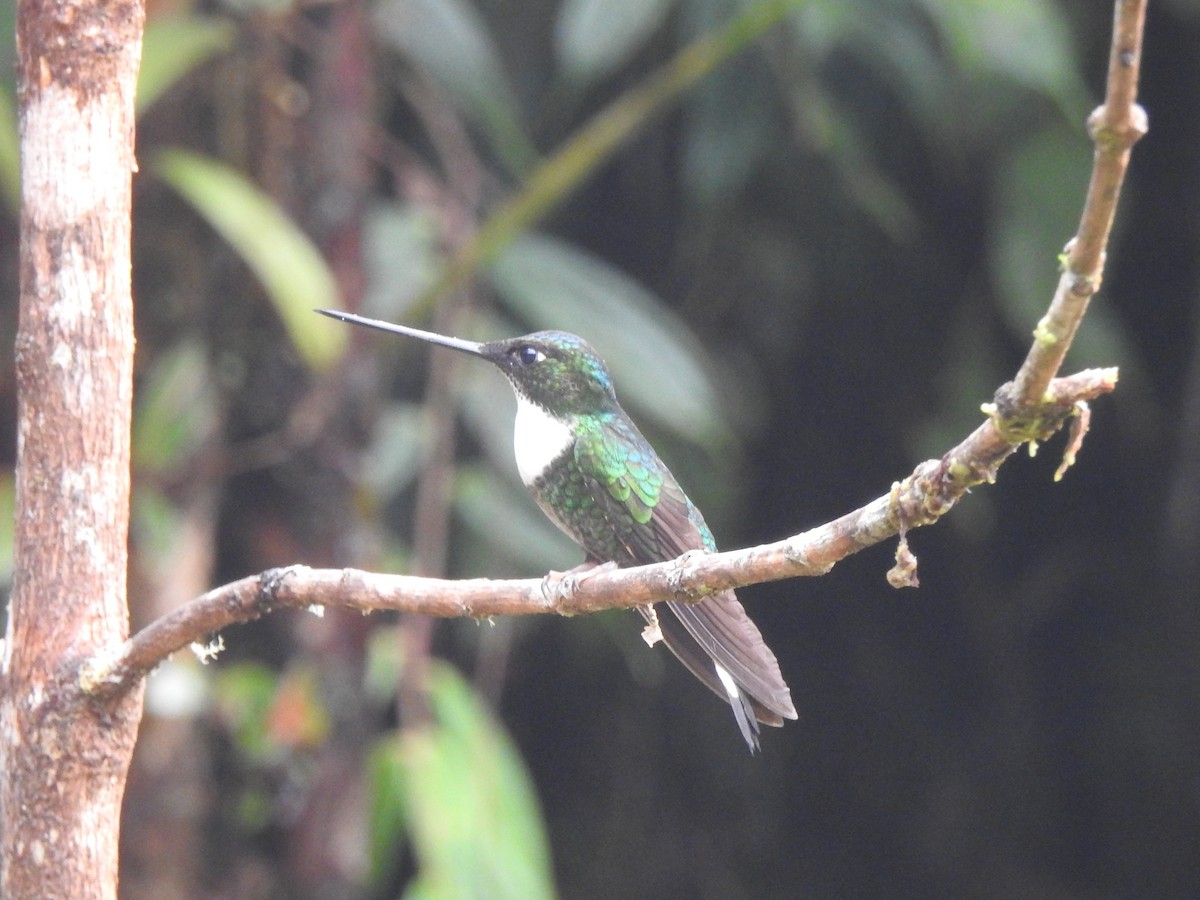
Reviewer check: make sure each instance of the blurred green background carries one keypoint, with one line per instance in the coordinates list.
(809, 252)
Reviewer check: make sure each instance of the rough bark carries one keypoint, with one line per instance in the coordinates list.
(65, 754)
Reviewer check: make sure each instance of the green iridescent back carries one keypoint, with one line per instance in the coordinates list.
(617, 499)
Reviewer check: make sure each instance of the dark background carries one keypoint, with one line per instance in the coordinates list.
(850, 230)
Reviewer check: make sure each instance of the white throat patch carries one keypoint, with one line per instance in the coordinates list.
(538, 439)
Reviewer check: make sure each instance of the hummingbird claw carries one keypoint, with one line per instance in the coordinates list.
(676, 577)
(552, 587)
(561, 586)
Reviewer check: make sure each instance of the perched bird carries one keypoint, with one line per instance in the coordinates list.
(595, 476)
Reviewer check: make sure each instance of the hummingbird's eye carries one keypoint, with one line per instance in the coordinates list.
(527, 355)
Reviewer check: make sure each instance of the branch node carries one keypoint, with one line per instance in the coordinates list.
(936, 501)
(1019, 423)
(1139, 122)
(1117, 136)
(678, 575)
(908, 499)
(965, 475)
(1084, 286)
(100, 671)
(270, 582)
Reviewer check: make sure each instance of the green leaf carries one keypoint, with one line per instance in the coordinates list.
(449, 40)
(655, 361)
(397, 450)
(176, 408)
(155, 526)
(593, 37)
(290, 267)
(555, 178)
(400, 255)
(388, 813)
(385, 664)
(728, 120)
(243, 694)
(1027, 41)
(1040, 190)
(173, 46)
(467, 801)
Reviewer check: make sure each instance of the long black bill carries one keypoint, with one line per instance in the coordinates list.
(472, 347)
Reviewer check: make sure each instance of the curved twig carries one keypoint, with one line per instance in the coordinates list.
(1029, 409)
(1115, 127)
(920, 499)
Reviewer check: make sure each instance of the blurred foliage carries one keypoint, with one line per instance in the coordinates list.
(173, 46)
(293, 273)
(593, 37)
(246, 695)
(10, 156)
(462, 792)
(450, 42)
(578, 157)
(810, 238)
(176, 410)
(400, 257)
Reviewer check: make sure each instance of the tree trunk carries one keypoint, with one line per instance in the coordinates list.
(65, 755)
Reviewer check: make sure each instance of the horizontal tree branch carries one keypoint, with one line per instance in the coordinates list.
(920, 499)
(1029, 409)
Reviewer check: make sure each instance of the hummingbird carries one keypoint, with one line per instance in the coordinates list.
(597, 478)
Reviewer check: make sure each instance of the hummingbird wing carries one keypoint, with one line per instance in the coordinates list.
(655, 521)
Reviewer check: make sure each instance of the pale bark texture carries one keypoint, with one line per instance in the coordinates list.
(65, 755)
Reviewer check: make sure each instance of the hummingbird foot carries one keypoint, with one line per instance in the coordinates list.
(559, 586)
(676, 577)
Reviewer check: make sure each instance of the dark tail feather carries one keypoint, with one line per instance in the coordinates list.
(724, 633)
(717, 631)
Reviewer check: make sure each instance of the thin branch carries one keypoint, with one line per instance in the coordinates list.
(921, 499)
(1030, 409)
(1115, 127)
